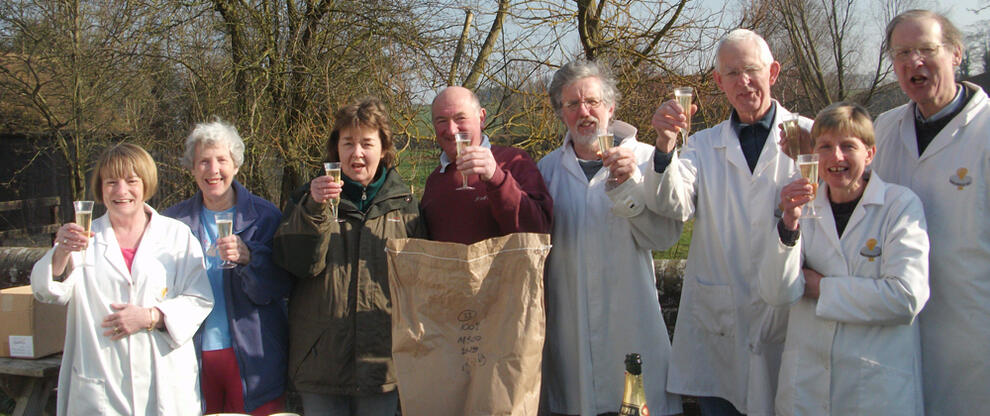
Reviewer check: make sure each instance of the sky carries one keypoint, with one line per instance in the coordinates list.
(960, 12)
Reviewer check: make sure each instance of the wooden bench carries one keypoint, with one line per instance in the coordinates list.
(29, 382)
(22, 229)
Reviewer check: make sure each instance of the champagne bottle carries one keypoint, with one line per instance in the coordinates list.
(633, 398)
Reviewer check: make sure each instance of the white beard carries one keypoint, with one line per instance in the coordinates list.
(582, 139)
(585, 139)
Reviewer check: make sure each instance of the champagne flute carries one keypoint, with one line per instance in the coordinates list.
(332, 170)
(84, 216)
(809, 169)
(225, 227)
(793, 131)
(605, 141)
(463, 140)
(683, 96)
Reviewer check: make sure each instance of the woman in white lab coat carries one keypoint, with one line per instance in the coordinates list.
(856, 277)
(136, 291)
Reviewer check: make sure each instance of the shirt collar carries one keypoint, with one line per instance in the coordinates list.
(954, 105)
(765, 123)
(444, 160)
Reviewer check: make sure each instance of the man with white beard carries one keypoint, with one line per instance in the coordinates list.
(601, 291)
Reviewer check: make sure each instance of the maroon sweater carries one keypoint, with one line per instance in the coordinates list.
(515, 200)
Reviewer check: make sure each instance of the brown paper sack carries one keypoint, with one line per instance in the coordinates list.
(468, 324)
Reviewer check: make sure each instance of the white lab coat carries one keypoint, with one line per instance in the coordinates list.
(727, 340)
(146, 373)
(856, 349)
(601, 288)
(955, 325)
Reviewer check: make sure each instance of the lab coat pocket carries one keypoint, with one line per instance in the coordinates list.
(87, 396)
(713, 308)
(769, 325)
(884, 390)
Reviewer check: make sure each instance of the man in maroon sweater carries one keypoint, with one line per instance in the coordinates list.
(509, 194)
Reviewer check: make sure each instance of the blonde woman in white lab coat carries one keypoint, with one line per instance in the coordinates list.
(856, 278)
(136, 290)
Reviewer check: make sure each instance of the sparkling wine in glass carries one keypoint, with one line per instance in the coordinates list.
(84, 215)
(605, 141)
(463, 140)
(809, 169)
(793, 132)
(225, 227)
(332, 170)
(683, 96)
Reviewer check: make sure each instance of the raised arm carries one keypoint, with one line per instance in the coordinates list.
(649, 230)
(300, 244)
(520, 201)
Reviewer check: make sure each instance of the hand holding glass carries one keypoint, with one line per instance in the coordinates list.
(84, 216)
(225, 227)
(332, 170)
(463, 140)
(809, 169)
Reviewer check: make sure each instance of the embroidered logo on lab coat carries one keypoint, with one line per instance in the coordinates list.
(961, 179)
(871, 251)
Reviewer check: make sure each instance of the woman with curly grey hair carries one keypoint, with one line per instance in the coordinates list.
(243, 342)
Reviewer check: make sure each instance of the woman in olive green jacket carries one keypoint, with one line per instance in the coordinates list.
(340, 340)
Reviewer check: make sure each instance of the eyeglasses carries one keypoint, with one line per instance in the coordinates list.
(925, 51)
(588, 102)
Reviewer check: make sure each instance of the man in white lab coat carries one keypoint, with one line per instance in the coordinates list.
(938, 144)
(601, 290)
(727, 341)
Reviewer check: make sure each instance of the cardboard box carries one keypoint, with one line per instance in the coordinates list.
(29, 328)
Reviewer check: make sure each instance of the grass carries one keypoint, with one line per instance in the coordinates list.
(679, 250)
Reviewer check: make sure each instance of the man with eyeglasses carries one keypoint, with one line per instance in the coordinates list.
(505, 192)
(727, 340)
(938, 144)
(601, 289)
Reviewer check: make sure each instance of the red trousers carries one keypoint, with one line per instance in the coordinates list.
(220, 380)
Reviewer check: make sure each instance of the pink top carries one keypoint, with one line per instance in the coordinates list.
(128, 256)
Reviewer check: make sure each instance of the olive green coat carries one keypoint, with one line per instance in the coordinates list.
(340, 330)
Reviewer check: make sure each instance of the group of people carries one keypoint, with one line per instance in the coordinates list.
(879, 305)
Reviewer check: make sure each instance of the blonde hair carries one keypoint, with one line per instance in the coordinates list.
(845, 118)
(119, 161)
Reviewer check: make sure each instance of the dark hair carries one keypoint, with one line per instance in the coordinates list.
(368, 113)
